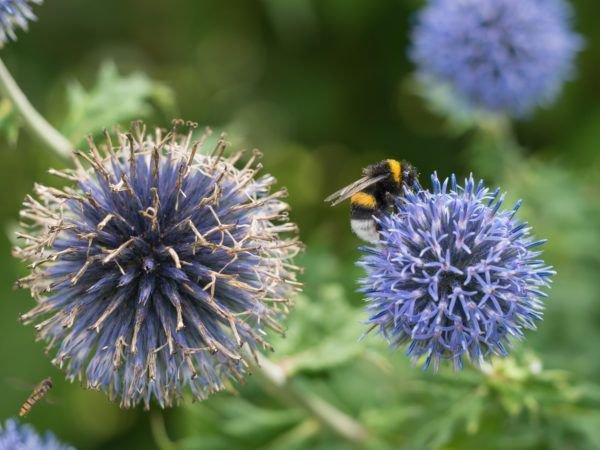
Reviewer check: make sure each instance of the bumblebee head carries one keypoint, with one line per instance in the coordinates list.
(409, 174)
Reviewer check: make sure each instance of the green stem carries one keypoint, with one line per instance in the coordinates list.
(494, 149)
(34, 122)
(276, 381)
(159, 432)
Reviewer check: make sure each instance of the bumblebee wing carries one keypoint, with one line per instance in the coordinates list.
(350, 190)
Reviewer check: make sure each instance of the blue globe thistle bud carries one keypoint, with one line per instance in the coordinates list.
(14, 13)
(14, 437)
(161, 269)
(501, 55)
(454, 274)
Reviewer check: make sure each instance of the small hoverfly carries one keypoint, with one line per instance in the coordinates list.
(39, 392)
(375, 193)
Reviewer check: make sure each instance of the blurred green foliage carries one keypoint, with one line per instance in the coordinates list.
(322, 88)
(114, 99)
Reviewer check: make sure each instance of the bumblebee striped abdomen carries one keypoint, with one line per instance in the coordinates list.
(363, 201)
(363, 205)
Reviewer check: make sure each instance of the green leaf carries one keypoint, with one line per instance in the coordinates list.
(325, 334)
(234, 422)
(246, 419)
(114, 99)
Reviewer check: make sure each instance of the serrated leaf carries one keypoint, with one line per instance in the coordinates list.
(247, 419)
(114, 99)
(326, 332)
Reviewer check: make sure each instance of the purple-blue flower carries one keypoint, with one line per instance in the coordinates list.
(14, 436)
(15, 13)
(506, 56)
(161, 269)
(454, 274)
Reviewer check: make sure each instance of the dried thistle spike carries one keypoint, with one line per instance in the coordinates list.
(157, 266)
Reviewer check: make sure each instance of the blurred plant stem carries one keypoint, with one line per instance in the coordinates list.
(159, 432)
(34, 122)
(497, 126)
(494, 149)
(275, 381)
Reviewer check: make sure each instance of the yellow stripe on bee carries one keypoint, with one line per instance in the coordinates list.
(396, 169)
(363, 199)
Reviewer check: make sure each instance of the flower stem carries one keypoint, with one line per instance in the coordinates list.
(276, 381)
(159, 432)
(34, 122)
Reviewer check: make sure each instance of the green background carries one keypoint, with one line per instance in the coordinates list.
(323, 88)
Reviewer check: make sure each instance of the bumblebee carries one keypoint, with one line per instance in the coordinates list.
(374, 194)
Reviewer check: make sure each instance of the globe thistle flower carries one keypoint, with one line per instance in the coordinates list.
(14, 436)
(161, 269)
(454, 274)
(14, 13)
(505, 56)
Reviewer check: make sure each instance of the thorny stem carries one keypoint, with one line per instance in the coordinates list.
(275, 380)
(34, 122)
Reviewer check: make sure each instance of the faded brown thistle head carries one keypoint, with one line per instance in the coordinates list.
(161, 267)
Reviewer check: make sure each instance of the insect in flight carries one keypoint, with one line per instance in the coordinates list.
(375, 193)
(39, 392)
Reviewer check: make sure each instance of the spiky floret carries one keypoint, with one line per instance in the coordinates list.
(15, 13)
(454, 274)
(160, 269)
(14, 436)
(506, 56)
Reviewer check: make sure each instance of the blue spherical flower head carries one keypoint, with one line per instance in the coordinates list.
(507, 56)
(15, 437)
(15, 13)
(454, 274)
(161, 269)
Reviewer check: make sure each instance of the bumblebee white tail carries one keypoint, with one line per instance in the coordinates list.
(365, 229)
